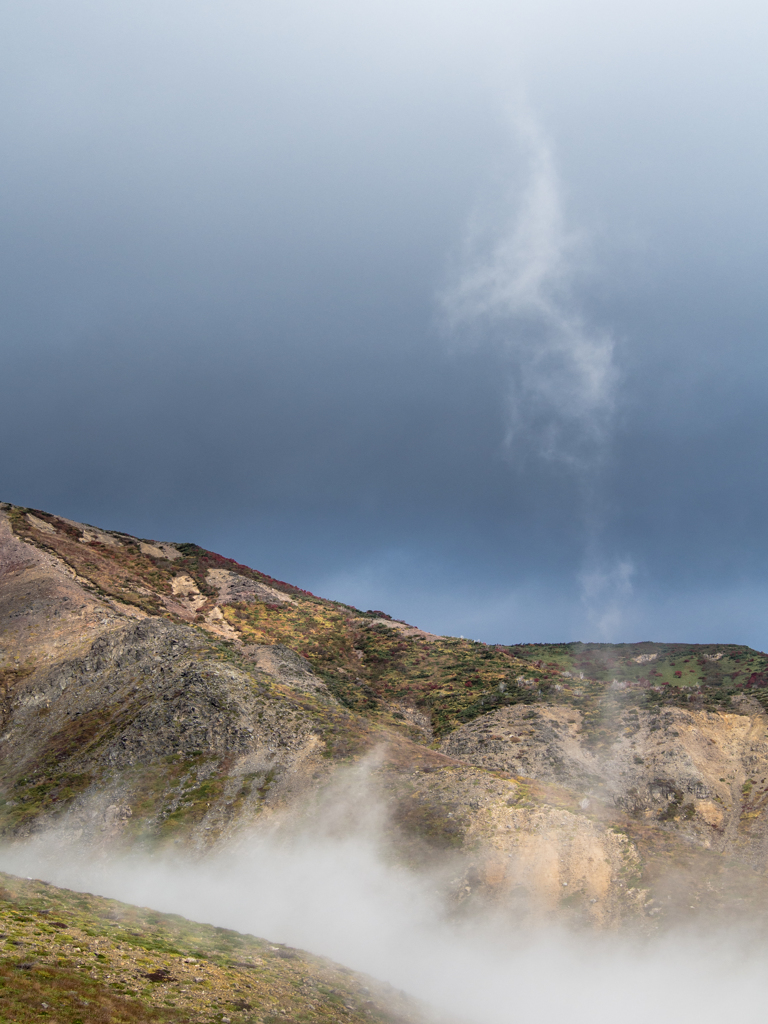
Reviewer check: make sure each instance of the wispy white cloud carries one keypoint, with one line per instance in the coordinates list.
(514, 286)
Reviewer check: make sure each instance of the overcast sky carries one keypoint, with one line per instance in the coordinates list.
(453, 309)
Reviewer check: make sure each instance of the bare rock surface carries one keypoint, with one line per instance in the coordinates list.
(233, 588)
(46, 612)
(709, 770)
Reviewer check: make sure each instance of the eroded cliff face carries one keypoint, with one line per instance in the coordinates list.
(687, 788)
(703, 773)
(141, 704)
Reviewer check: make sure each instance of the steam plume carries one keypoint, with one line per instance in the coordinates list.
(605, 592)
(514, 286)
(516, 289)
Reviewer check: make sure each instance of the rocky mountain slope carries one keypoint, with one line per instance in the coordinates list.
(157, 693)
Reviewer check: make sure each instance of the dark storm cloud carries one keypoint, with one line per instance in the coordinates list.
(231, 234)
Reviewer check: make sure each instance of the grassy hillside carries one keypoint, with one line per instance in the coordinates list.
(74, 958)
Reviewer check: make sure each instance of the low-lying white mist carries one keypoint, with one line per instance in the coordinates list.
(328, 883)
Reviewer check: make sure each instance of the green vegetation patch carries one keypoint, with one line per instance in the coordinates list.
(49, 792)
(30, 992)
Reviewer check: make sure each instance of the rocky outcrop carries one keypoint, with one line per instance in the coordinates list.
(233, 588)
(143, 697)
(702, 773)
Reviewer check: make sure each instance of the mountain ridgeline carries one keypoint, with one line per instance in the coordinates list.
(156, 693)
